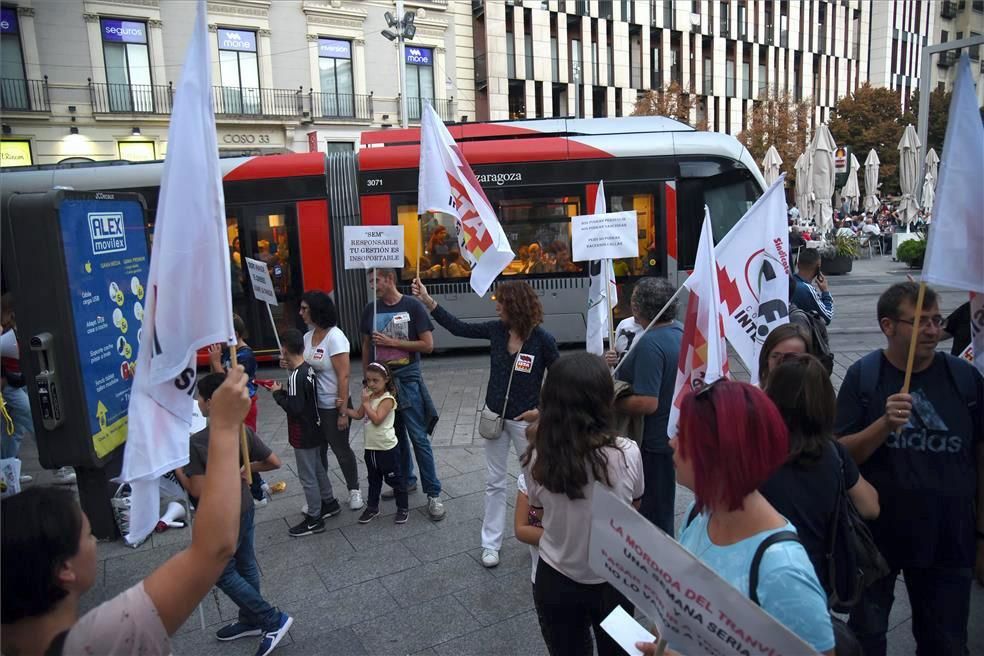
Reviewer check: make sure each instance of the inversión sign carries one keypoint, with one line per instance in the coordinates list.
(605, 236)
(335, 48)
(259, 278)
(695, 610)
(368, 247)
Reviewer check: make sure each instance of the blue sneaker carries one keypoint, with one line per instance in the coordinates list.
(273, 637)
(238, 630)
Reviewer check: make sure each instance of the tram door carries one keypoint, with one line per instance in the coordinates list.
(267, 233)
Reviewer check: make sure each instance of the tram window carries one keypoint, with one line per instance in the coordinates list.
(539, 230)
(432, 244)
(644, 207)
(728, 197)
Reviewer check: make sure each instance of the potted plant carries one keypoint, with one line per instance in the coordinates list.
(912, 252)
(837, 257)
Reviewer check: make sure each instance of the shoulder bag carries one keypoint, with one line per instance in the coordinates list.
(489, 423)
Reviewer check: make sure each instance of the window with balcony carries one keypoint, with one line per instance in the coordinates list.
(13, 82)
(127, 65)
(420, 80)
(239, 72)
(337, 97)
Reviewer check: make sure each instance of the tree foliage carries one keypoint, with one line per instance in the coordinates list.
(777, 120)
(939, 112)
(671, 101)
(870, 118)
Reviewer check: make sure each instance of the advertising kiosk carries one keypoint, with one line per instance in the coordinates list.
(77, 263)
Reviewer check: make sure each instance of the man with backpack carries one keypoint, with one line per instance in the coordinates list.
(811, 287)
(924, 453)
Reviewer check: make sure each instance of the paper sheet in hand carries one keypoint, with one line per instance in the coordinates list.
(624, 630)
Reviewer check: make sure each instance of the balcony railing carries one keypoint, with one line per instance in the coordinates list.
(131, 98)
(258, 103)
(340, 106)
(947, 58)
(443, 106)
(18, 95)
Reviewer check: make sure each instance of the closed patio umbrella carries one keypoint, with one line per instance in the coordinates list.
(929, 191)
(851, 191)
(932, 170)
(871, 200)
(770, 166)
(803, 185)
(822, 177)
(908, 172)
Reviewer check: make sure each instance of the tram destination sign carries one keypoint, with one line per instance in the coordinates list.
(368, 247)
(608, 236)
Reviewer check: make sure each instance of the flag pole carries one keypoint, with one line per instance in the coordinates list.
(375, 309)
(273, 323)
(914, 338)
(607, 264)
(420, 239)
(651, 324)
(244, 445)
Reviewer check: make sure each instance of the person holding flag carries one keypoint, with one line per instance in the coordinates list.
(912, 417)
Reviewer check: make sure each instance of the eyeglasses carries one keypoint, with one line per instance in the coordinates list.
(936, 320)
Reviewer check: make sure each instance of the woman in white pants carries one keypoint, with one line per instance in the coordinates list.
(521, 351)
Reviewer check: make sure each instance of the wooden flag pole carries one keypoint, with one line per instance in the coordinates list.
(607, 266)
(420, 246)
(273, 323)
(914, 339)
(244, 445)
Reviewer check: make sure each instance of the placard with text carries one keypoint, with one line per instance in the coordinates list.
(368, 247)
(694, 609)
(259, 279)
(608, 236)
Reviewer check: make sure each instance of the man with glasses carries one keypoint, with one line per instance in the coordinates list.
(924, 453)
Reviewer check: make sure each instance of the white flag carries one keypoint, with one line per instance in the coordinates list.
(189, 303)
(955, 252)
(753, 275)
(447, 184)
(976, 332)
(602, 277)
(703, 352)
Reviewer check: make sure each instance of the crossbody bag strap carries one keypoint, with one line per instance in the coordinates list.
(834, 526)
(509, 386)
(753, 574)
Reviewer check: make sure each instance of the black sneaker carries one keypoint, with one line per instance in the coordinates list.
(368, 515)
(307, 526)
(330, 509)
(402, 515)
(238, 630)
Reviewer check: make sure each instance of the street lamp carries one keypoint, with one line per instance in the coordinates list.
(401, 30)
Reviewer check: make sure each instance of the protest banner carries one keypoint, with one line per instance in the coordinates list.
(263, 291)
(608, 236)
(369, 247)
(694, 610)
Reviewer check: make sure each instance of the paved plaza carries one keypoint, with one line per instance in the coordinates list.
(419, 588)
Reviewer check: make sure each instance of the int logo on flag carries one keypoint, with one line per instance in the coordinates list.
(107, 232)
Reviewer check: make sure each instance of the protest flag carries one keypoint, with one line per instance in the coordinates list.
(703, 352)
(602, 293)
(753, 275)
(189, 304)
(447, 184)
(955, 250)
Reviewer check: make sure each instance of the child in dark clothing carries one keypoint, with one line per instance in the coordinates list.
(298, 398)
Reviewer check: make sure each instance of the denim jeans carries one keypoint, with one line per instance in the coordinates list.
(241, 581)
(940, 601)
(19, 407)
(658, 497)
(411, 428)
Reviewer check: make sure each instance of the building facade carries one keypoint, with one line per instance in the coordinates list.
(95, 79)
(958, 19)
(593, 58)
(899, 31)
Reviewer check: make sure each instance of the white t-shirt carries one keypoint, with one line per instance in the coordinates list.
(319, 357)
(628, 329)
(564, 543)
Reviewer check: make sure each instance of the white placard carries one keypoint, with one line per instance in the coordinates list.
(367, 247)
(259, 278)
(624, 630)
(694, 609)
(607, 236)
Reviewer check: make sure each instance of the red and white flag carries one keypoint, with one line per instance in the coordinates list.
(753, 275)
(189, 304)
(955, 250)
(447, 184)
(703, 351)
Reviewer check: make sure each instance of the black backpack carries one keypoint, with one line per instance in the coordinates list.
(818, 333)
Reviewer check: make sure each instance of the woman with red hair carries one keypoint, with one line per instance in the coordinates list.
(731, 439)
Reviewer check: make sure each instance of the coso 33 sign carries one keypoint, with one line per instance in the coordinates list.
(246, 138)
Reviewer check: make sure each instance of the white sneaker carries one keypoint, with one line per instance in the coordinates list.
(26, 478)
(436, 510)
(260, 503)
(490, 557)
(64, 476)
(355, 500)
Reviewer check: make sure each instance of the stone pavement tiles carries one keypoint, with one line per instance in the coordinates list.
(419, 588)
